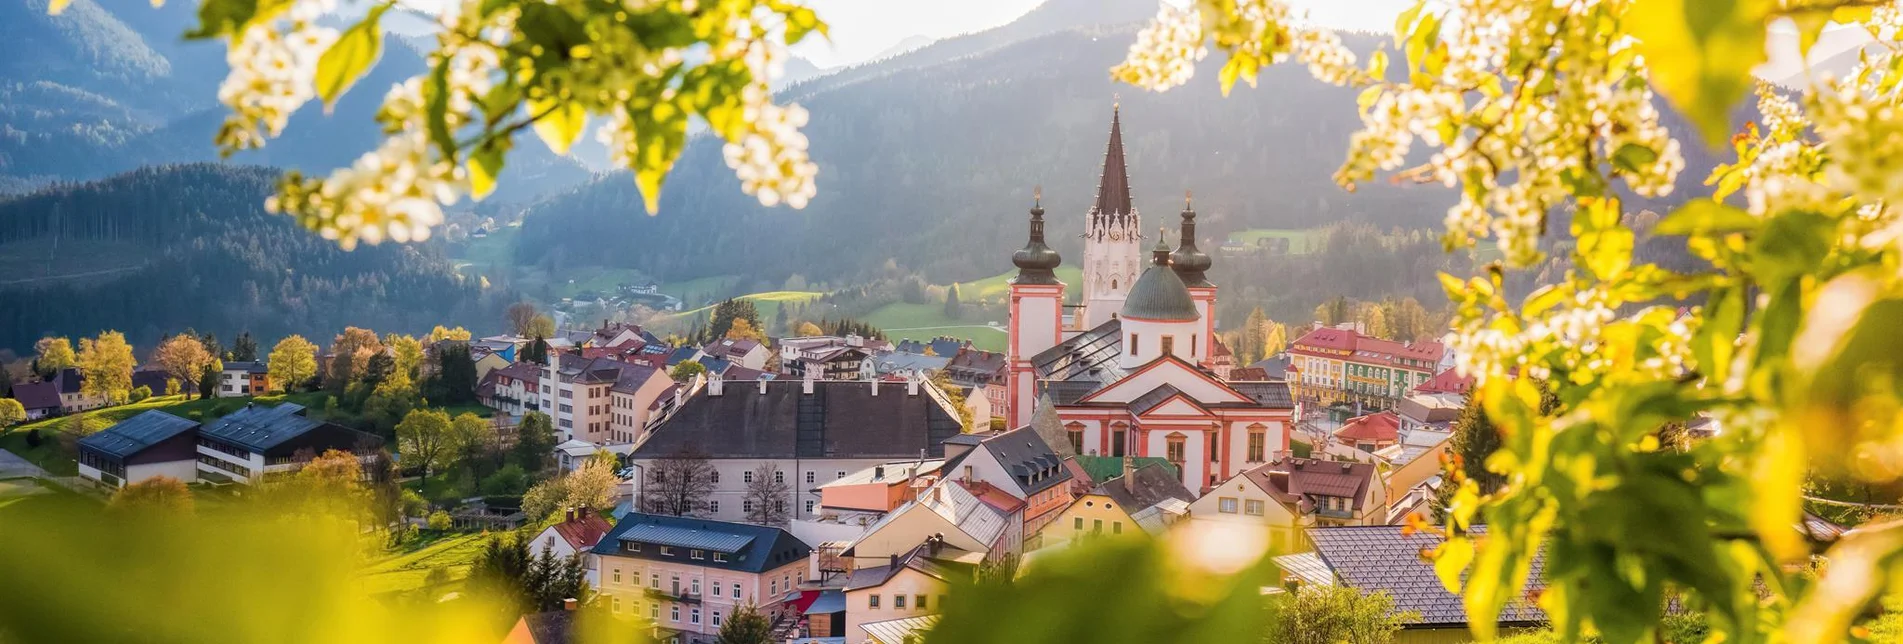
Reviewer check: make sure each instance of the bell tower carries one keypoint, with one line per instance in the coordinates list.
(1037, 315)
(1191, 264)
(1113, 238)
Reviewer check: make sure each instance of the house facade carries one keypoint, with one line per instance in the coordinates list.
(257, 441)
(149, 445)
(1331, 365)
(908, 586)
(243, 378)
(807, 432)
(1289, 496)
(576, 534)
(687, 575)
(599, 400)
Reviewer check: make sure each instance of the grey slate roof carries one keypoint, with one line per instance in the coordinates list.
(132, 435)
(764, 547)
(685, 537)
(260, 428)
(1154, 483)
(1146, 402)
(840, 419)
(1028, 458)
(1089, 355)
(248, 366)
(552, 627)
(37, 395)
(1272, 393)
(69, 380)
(1374, 558)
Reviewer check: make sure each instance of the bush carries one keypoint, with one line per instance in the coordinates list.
(439, 520)
(33, 438)
(141, 393)
(510, 481)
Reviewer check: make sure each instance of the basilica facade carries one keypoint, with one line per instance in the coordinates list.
(1133, 370)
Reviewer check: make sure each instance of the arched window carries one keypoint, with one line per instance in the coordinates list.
(1113, 283)
(1176, 449)
(1076, 432)
(1258, 442)
(1119, 436)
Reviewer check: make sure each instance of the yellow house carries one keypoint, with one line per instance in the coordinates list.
(1290, 495)
(909, 585)
(1142, 500)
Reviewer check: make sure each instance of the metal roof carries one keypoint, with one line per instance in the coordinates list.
(260, 428)
(1307, 567)
(133, 435)
(702, 539)
(1159, 293)
(1376, 558)
(894, 631)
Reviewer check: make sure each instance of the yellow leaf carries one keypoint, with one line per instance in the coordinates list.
(558, 122)
(1452, 560)
(1699, 54)
(648, 180)
(1777, 482)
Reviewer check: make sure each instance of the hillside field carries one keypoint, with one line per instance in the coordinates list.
(1301, 240)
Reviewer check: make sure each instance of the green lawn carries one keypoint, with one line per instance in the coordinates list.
(767, 303)
(406, 568)
(496, 249)
(600, 279)
(998, 287)
(699, 288)
(920, 321)
(1301, 240)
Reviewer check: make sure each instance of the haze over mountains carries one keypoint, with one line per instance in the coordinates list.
(928, 159)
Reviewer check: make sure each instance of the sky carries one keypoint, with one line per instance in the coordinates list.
(863, 28)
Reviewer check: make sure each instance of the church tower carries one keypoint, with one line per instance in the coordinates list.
(1113, 238)
(1191, 264)
(1037, 317)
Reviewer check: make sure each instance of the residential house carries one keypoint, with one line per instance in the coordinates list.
(41, 399)
(1018, 462)
(1142, 498)
(1387, 559)
(1412, 473)
(748, 353)
(1448, 381)
(486, 361)
(149, 445)
(832, 357)
(600, 400)
(72, 396)
(260, 440)
(577, 533)
(1430, 411)
(686, 575)
(1343, 365)
(1371, 432)
(1288, 496)
(811, 432)
(909, 585)
(959, 519)
(243, 378)
(862, 497)
(513, 390)
(981, 371)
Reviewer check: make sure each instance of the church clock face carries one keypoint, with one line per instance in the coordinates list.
(1116, 235)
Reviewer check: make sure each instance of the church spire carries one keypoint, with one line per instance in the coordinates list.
(1036, 261)
(1113, 189)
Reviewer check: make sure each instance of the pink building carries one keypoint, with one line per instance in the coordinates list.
(686, 575)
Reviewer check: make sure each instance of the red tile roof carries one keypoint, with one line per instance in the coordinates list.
(1295, 481)
(1333, 343)
(1446, 382)
(993, 496)
(583, 531)
(1384, 427)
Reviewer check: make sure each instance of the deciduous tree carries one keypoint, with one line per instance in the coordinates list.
(519, 316)
(161, 494)
(293, 361)
(767, 495)
(106, 363)
(406, 351)
(678, 484)
(534, 442)
(441, 333)
(350, 354)
(1333, 615)
(686, 370)
(590, 487)
(52, 354)
(11, 412)
(184, 357)
(424, 439)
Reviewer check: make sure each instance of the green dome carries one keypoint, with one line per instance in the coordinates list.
(1159, 293)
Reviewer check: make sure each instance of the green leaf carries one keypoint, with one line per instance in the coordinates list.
(1633, 158)
(1706, 217)
(218, 18)
(1700, 53)
(348, 58)
(558, 121)
(436, 110)
(1452, 560)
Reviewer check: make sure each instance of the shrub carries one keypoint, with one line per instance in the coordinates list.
(33, 438)
(141, 393)
(439, 520)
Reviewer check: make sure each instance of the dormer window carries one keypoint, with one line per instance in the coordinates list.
(667, 551)
(632, 546)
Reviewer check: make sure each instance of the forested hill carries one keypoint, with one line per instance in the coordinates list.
(934, 167)
(160, 249)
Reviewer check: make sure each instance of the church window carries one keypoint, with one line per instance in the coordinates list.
(1113, 283)
(1118, 434)
(1169, 344)
(1176, 450)
(1258, 441)
(1135, 345)
(1076, 432)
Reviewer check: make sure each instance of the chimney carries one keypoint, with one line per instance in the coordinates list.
(911, 384)
(569, 603)
(571, 514)
(763, 387)
(715, 386)
(1129, 469)
(895, 560)
(811, 376)
(875, 386)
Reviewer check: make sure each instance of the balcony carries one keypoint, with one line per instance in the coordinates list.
(663, 594)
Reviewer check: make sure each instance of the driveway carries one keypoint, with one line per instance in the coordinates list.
(13, 466)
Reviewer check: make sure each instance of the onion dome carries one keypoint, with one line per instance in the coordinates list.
(1159, 294)
(1036, 261)
(1190, 262)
